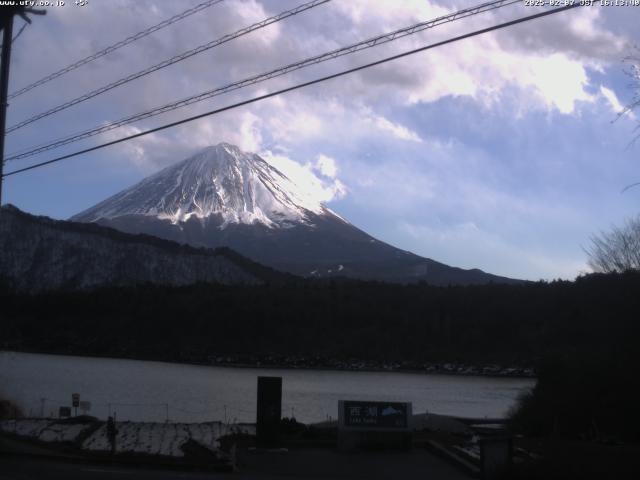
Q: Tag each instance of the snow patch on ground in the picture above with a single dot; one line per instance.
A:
(162, 438)
(136, 437)
(43, 429)
(61, 432)
(155, 438)
(25, 428)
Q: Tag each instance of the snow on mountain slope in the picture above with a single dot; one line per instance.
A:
(223, 197)
(220, 180)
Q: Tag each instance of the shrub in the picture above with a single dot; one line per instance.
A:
(9, 410)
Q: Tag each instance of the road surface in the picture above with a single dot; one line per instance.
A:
(316, 464)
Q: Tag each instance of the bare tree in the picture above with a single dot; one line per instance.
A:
(617, 250)
(633, 72)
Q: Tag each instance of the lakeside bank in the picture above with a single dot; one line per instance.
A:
(315, 363)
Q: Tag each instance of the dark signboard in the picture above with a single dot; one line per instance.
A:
(75, 399)
(269, 410)
(375, 415)
(64, 412)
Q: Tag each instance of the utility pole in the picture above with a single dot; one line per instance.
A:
(6, 25)
(7, 34)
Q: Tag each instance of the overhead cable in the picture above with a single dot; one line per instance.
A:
(296, 87)
(170, 61)
(116, 46)
(280, 71)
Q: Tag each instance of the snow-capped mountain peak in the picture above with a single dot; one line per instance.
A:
(220, 180)
(224, 197)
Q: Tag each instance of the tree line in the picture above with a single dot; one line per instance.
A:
(334, 319)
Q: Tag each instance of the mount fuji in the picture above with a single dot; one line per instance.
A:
(223, 196)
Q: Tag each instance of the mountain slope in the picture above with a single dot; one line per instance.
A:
(37, 253)
(225, 197)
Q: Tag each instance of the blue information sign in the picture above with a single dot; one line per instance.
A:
(375, 415)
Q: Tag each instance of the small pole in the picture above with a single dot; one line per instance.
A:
(166, 405)
(112, 432)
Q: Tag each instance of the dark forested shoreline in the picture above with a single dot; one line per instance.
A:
(310, 324)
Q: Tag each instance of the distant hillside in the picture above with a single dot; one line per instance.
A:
(38, 254)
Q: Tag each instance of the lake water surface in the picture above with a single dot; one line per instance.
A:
(157, 391)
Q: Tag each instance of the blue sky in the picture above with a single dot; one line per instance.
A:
(500, 152)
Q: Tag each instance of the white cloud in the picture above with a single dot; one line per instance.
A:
(397, 130)
(551, 73)
(252, 11)
(388, 13)
(295, 123)
(483, 70)
(559, 81)
(308, 184)
(326, 165)
(146, 152)
(250, 135)
(612, 99)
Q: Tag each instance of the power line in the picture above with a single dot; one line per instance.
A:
(116, 46)
(362, 45)
(171, 61)
(19, 32)
(299, 86)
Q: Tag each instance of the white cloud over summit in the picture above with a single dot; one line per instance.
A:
(323, 188)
